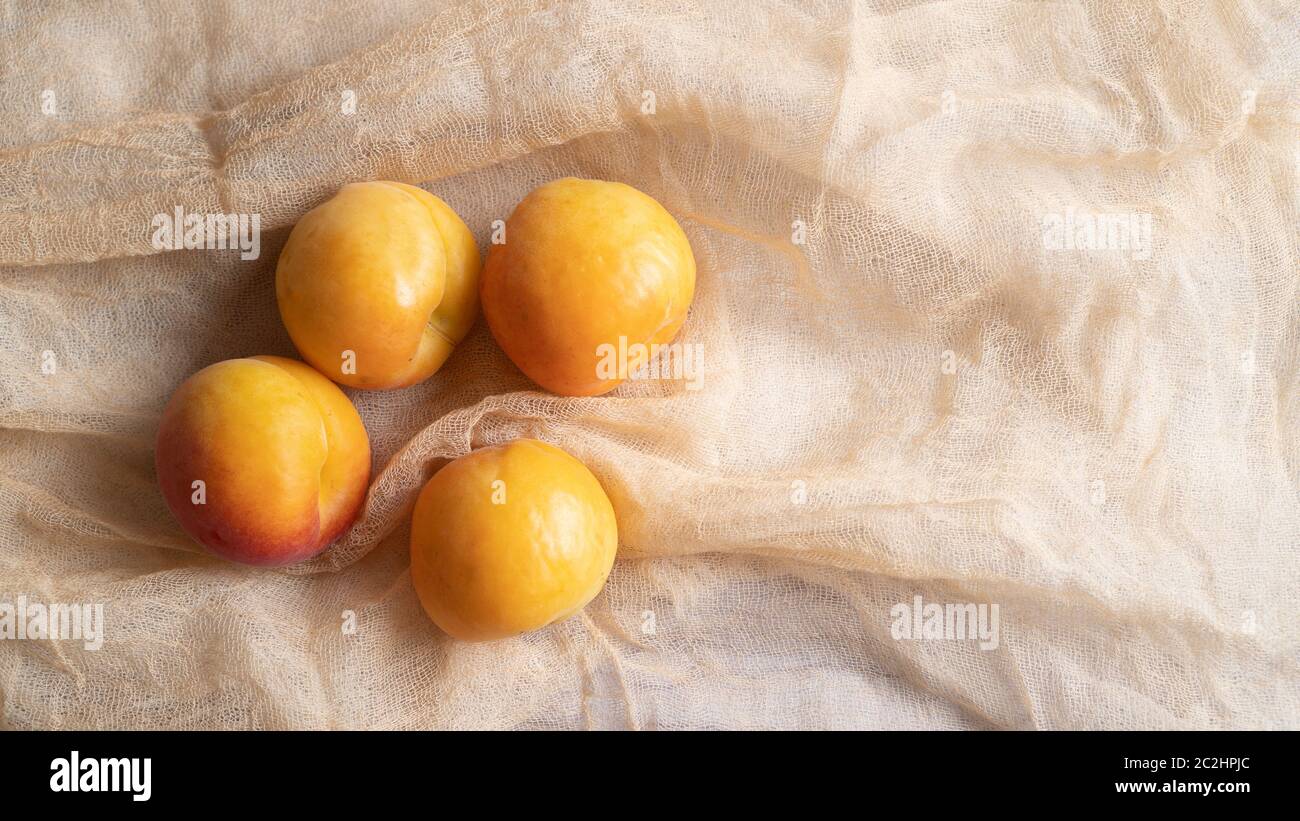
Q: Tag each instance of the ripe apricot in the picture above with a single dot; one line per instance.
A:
(262, 460)
(509, 539)
(586, 266)
(378, 285)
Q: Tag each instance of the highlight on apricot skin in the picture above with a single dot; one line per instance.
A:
(262, 460)
(509, 539)
(586, 267)
(378, 285)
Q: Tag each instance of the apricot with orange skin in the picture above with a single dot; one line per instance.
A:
(262, 460)
(585, 263)
(378, 285)
(509, 539)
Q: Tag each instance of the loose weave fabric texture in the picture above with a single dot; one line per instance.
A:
(997, 304)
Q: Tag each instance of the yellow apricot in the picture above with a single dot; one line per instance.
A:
(262, 460)
(378, 284)
(509, 539)
(587, 266)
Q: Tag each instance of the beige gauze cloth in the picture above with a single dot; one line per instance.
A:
(923, 373)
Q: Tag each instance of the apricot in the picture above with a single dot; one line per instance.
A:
(378, 285)
(586, 267)
(509, 539)
(262, 460)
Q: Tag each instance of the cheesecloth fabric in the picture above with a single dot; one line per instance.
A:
(997, 304)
